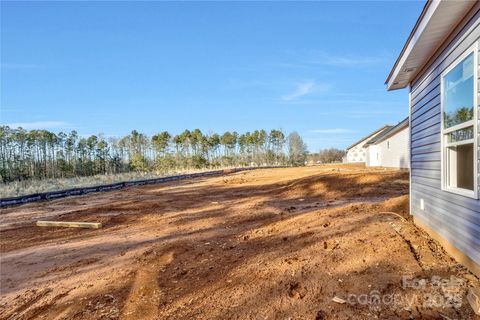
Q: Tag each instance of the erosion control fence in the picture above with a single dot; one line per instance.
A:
(5, 202)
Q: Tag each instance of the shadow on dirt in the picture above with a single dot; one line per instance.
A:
(273, 250)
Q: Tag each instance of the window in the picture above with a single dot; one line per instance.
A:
(388, 145)
(459, 129)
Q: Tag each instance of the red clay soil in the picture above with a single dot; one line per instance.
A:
(264, 244)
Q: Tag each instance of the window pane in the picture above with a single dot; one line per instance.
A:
(460, 166)
(458, 93)
(460, 135)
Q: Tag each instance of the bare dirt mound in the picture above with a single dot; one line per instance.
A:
(265, 244)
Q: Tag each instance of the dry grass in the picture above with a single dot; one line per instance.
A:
(19, 188)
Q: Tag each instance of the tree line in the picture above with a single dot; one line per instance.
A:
(41, 154)
(329, 155)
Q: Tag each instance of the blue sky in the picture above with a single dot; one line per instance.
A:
(109, 67)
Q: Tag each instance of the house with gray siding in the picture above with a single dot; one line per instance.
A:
(439, 64)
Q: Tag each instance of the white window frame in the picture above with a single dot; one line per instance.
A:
(444, 144)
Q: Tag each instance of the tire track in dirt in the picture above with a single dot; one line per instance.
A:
(144, 297)
(276, 243)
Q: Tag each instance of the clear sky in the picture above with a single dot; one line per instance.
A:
(109, 67)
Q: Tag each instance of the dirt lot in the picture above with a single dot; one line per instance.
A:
(264, 244)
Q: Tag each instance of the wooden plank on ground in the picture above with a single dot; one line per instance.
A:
(474, 299)
(69, 224)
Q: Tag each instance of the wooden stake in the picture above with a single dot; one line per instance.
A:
(88, 225)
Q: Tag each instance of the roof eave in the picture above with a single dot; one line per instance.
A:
(435, 24)
(393, 131)
(407, 46)
(366, 137)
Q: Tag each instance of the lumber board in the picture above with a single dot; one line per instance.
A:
(473, 298)
(69, 224)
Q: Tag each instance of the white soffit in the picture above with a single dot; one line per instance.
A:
(437, 21)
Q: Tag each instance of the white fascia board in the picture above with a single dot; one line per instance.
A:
(391, 81)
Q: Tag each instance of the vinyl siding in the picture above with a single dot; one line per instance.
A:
(455, 217)
(373, 156)
(398, 154)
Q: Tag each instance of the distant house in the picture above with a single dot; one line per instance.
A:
(356, 153)
(372, 152)
(390, 148)
(440, 65)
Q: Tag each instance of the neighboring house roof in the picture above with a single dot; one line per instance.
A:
(390, 132)
(366, 137)
(378, 136)
(431, 30)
